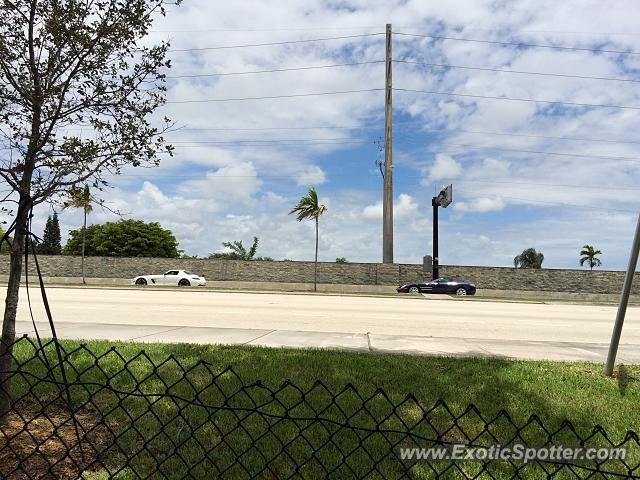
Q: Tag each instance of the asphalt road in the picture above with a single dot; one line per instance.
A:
(415, 325)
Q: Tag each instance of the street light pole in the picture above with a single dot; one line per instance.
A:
(435, 271)
(624, 300)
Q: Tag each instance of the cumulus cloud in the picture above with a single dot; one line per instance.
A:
(444, 167)
(480, 205)
(403, 207)
(239, 167)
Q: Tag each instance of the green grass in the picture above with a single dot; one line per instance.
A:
(554, 391)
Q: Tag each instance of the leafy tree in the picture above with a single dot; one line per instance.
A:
(238, 251)
(529, 258)
(308, 208)
(51, 238)
(341, 260)
(589, 255)
(78, 92)
(4, 246)
(81, 198)
(125, 238)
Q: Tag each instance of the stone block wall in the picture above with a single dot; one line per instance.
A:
(494, 278)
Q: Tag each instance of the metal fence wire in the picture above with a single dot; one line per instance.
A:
(132, 417)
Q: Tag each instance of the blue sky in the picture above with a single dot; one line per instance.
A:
(506, 197)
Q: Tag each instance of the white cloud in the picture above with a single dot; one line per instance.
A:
(444, 168)
(214, 190)
(480, 205)
(403, 207)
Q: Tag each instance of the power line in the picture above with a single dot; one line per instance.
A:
(264, 144)
(259, 129)
(278, 140)
(436, 131)
(562, 204)
(554, 185)
(537, 152)
(520, 72)
(275, 29)
(271, 97)
(547, 137)
(512, 99)
(269, 44)
(275, 70)
(519, 44)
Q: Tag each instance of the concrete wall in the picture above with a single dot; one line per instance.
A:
(493, 278)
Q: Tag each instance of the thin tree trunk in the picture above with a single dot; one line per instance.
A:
(315, 266)
(84, 235)
(11, 308)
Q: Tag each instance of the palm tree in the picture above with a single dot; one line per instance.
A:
(81, 199)
(238, 251)
(529, 258)
(589, 255)
(308, 208)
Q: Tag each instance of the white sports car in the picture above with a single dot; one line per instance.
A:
(182, 278)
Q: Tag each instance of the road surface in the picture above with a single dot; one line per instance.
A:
(414, 325)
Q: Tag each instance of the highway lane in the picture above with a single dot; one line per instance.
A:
(433, 317)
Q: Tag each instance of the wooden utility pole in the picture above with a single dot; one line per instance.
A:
(387, 199)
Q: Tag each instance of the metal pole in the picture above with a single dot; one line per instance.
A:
(435, 273)
(624, 300)
(387, 199)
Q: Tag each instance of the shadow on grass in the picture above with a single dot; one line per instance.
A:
(367, 391)
(624, 379)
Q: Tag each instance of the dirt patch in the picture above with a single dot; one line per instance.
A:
(46, 444)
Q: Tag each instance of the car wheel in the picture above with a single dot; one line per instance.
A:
(141, 281)
(461, 291)
(184, 283)
(414, 290)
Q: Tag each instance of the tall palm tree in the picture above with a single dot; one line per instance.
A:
(81, 198)
(529, 258)
(589, 255)
(308, 208)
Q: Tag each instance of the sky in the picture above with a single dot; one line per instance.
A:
(553, 176)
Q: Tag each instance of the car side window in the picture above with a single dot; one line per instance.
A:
(172, 272)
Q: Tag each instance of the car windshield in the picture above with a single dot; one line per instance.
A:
(190, 273)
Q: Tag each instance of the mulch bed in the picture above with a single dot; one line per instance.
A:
(37, 444)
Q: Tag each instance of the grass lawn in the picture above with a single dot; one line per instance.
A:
(181, 428)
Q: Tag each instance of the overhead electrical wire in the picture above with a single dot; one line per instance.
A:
(519, 72)
(519, 44)
(513, 99)
(435, 131)
(428, 92)
(270, 44)
(275, 70)
(272, 97)
(535, 152)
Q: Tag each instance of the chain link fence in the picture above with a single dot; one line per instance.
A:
(133, 418)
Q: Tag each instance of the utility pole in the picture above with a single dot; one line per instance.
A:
(387, 198)
(624, 300)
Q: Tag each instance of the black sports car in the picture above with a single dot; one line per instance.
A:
(439, 285)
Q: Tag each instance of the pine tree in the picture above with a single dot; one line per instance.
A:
(51, 240)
